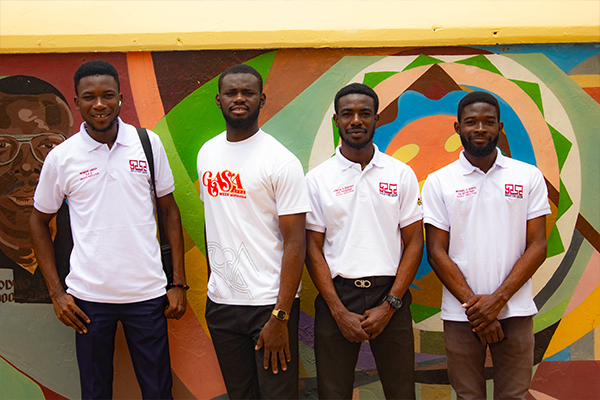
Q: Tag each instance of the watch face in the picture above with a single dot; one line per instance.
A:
(280, 314)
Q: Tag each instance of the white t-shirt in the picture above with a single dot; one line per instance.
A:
(116, 255)
(245, 187)
(486, 215)
(361, 213)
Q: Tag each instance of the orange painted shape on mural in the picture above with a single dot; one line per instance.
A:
(540, 396)
(146, 96)
(429, 134)
(589, 281)
(395, 85)
(579, 322)
(193, 357)
(524, 107)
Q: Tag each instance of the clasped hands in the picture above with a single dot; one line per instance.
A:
(482, 311)
(359, 328)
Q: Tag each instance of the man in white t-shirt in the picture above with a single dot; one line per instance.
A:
(365, 206)
(116, 272)
(485, 220)
(255, 203)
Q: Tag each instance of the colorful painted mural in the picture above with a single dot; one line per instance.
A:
(550, 104)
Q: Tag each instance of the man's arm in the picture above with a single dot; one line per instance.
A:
(482, 309)
(377, 318)
(172, 223)
(274, 335)
(438, 243)
(64, 305)
(348, 322)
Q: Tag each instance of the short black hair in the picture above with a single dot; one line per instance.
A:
(23, 85)
(477, 97)
(95, 68)
(241, 69)
(356, 88)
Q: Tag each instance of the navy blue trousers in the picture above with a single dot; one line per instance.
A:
(145, 328)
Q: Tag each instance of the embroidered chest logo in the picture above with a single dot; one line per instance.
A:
(343, 190)
(388, 189)
(224, 183)
(460, 193)
(88, 173)
(138, 166)
(514, 191)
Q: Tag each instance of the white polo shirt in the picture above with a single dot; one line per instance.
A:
(245, 187)
(361, 213)
(116, 255)
(486, 215)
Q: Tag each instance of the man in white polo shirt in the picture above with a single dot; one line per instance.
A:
(486, 236)
(255, 204)
(365, 206)
(115, 267)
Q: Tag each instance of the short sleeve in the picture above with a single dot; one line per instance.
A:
(410, 205)
(538, 196)
(315, 219)
(290, 189)
(164, 177)
(49, 194)
(434, 208)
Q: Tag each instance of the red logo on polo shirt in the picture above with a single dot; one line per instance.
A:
(466, 192)
(514, 191)
(224, 183)
(388, 189)
(138, 166)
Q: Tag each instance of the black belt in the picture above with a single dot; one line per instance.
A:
(364, 283)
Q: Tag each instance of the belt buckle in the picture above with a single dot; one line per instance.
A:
(362, 283)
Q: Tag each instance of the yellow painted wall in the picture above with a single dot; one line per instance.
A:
(83, 25)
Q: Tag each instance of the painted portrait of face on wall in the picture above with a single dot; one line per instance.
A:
(34, 118)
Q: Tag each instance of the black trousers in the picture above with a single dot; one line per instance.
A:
(235, 331)
(145, 328)
(393, 349)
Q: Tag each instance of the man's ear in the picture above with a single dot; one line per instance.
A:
(76, 101)
(218, 100)
(457, 127)
(263, 99)
(335, 120)
(376, 120)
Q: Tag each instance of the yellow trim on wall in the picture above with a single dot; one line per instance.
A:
(83, 26)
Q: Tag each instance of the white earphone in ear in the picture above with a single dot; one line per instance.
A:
(120, 103)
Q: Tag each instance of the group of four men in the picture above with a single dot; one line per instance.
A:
(356, 219)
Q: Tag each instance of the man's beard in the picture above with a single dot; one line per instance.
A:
(108, 128)
(477, 151)
(242, 123)
(360, 145)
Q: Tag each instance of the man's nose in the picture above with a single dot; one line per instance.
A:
(356, 120)
(25, 163)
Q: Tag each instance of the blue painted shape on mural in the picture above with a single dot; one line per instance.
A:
(424, 267)
(565, 56)
(563, 355)
(413, 106)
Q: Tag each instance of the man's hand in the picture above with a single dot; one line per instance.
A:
(176, 303)
(274, 338)
(491, 334)
(350, 325)
(68, 313)
(482, 309)
(377, 318)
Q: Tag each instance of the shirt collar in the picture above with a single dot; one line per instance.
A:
(468, 168)
(124, 136)
(376, 161)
